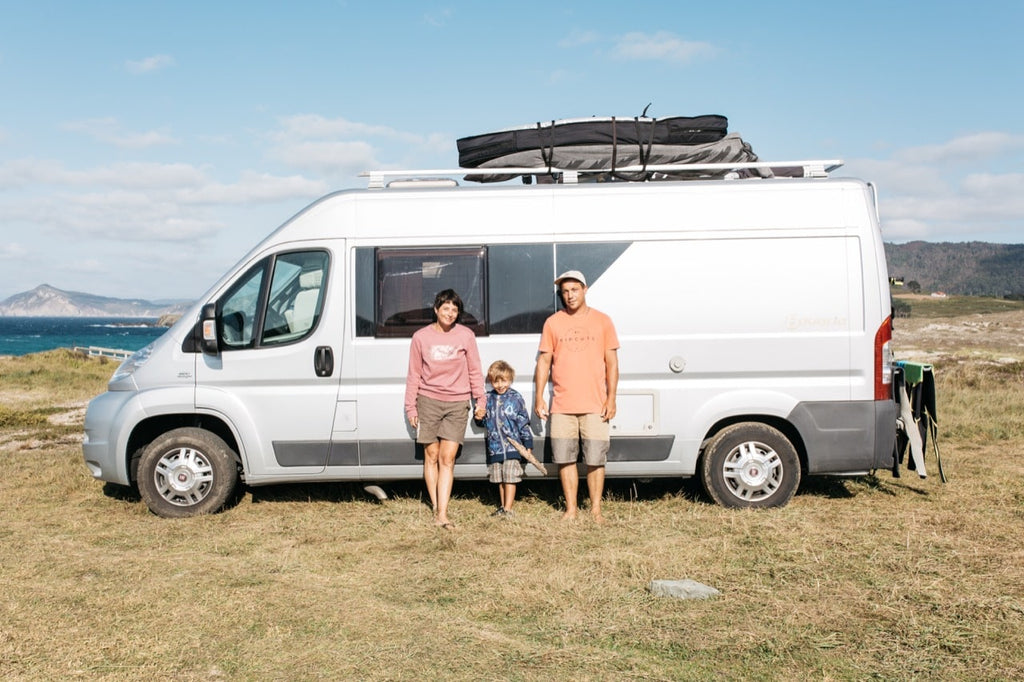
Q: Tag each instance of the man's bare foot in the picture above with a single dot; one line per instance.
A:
(569, 515)
(598, 519)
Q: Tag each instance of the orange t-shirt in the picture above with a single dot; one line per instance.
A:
(578, 344)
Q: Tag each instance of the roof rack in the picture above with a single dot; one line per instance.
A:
(570, 176)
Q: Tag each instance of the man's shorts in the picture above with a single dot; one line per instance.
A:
(509, 471)
(442, 420)
(567, 430)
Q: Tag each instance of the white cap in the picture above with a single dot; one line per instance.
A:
(571, 274)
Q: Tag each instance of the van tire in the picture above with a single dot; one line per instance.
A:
(203, 468)
(750, 465)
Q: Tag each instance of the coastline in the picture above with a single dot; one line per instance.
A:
(24, 335)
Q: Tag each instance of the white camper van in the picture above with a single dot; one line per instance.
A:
(753, 316)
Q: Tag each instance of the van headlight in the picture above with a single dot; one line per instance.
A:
(134, 361)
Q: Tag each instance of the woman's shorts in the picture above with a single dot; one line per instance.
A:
(567, 430)
(441, 420)
(509, 471)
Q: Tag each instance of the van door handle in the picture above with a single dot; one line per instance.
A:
(323, 361)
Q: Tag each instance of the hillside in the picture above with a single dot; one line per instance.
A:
(965, 268)
(47, 301)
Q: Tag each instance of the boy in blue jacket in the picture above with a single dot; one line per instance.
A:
(507, 420)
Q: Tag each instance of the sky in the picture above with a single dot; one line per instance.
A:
(145, 147)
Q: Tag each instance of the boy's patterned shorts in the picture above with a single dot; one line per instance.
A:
(509, 471)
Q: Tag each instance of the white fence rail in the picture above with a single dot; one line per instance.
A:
(99, 351)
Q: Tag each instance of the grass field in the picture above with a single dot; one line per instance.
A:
(869, 578)
(926, 306)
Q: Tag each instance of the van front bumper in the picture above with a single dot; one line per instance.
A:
(100, 445)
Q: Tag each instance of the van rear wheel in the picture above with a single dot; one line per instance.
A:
(750, 465)
(187, 472)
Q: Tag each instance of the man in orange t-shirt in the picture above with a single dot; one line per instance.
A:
(579, 353)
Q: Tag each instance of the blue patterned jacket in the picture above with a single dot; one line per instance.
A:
(506, 418)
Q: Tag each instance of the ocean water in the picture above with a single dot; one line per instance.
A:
(24, 335)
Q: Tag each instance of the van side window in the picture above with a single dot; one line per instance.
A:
(395, 288)
(591, 258)
(408, 279)
(238, 309)
(519, 286)
(284, 306)
(366, 290)
(296, 296)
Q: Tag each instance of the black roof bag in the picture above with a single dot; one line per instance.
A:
(477, 150)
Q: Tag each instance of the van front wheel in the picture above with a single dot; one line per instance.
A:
(750, 465)
(186, 472)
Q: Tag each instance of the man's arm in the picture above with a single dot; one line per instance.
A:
(540, 384)
(611, 378)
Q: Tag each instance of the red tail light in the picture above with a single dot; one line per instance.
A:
(883, 361)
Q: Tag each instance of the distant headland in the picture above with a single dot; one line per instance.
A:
(48, 301)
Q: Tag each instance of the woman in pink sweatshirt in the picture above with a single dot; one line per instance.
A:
(444, 373)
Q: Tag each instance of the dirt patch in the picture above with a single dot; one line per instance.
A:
(995, 337)
(75, 416)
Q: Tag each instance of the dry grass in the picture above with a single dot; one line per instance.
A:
(869, 578)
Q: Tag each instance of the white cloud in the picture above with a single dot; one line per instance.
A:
(904, 230)
(20, 173)
(115, 215)
(578, 38)
(253, 188)
(560, 76)
(316, 127)
(108, 130)
(329, 158)
(178, 202)
(43, 172)
(994, 185)
(87, 265)
(339, 148)
(980, 146)
(929, 192)
(898, 177)
(138, 201)
(438, 18)
(660, 46)
(148, 64)
(11, 251)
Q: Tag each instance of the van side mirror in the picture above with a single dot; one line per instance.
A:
(208, 323)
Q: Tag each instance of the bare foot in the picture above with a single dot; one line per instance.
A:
(598, 519)
(569, 515)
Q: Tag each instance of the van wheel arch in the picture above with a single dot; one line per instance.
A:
(786, 428)
(145, 432)
(750, 464)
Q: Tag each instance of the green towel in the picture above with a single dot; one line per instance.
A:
(913, 372)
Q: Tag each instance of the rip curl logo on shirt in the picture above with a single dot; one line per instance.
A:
(577, 339)
(444, 352)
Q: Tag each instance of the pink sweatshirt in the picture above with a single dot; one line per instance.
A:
(443, 366)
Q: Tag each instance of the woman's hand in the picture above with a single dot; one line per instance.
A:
(481, 412)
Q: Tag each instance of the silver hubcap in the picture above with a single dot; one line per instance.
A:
(183, 477)
(753, 471)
